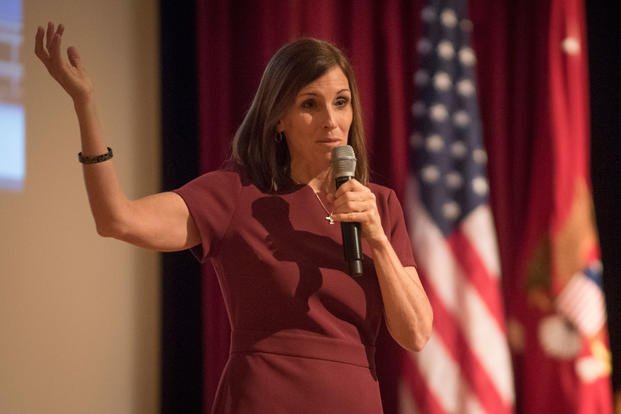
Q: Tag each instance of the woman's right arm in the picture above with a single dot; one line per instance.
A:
(160, 221)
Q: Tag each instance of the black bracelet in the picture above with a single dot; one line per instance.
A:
(96, 158)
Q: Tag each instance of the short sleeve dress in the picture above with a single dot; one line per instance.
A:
(303, 330)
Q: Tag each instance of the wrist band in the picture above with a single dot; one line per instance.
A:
(96, 158)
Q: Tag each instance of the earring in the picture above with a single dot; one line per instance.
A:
(279, 137)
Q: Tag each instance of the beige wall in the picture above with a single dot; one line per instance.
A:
(79, 314)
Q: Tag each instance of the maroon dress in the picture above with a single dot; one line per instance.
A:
(303, 330)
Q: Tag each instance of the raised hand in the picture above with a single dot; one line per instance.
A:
(69, 73)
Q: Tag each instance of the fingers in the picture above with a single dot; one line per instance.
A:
(357, 217)
(49, 35)
(357, 205)
(54, 48)
(354, 202)
(39, 50)
(74, 57)
(352, 196)
(52, 39)
(68, 72)
(351, 185)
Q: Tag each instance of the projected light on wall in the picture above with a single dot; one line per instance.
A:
(12, 146)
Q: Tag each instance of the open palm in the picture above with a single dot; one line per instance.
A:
(70, 73)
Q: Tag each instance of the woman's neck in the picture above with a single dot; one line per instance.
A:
(317, 179)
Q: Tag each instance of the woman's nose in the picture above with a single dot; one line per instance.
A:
(330, 121)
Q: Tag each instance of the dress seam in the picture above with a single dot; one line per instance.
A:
(302, 357)
(230, 224)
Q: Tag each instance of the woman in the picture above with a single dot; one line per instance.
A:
(303, 330)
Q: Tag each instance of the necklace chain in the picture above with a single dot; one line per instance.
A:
(328, 218)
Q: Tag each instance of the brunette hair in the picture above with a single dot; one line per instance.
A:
(294, 66)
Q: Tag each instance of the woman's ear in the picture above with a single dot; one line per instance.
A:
(279, 126)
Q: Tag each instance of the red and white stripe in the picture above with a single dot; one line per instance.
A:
(465, 368)
(582, 302)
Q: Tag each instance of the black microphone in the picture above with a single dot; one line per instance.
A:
(344, 169)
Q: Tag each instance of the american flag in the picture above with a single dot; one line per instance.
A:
(465, 368)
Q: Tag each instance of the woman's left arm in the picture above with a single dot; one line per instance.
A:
(406, 306)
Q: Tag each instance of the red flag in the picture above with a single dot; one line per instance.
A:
(559, 325)
(465, 368)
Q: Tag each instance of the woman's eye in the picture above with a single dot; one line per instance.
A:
(342, 101)
(308, 104)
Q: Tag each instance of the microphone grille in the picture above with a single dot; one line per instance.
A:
(344, 161)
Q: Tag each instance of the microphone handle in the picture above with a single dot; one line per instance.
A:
(352, 242)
